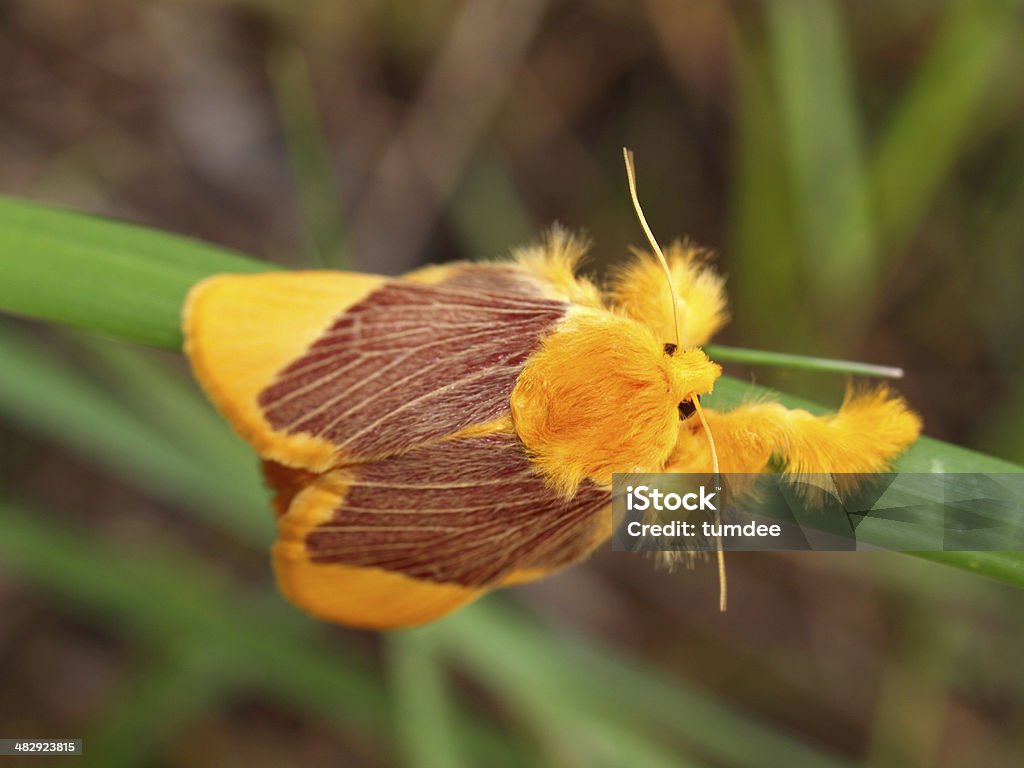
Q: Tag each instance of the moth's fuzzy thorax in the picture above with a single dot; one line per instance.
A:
(602, 396)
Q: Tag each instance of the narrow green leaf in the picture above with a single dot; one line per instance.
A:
(171, 598)
(517, 657)
(163, 396)
(766, 238)
(927, 133)
(821, 137)
(727, 354)
(423, 717)
(121, 279)
(310, 157)
(489, 213)
(49, 397)
(1003, 566)
(151, 707)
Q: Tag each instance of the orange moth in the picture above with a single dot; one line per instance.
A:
(438, 435)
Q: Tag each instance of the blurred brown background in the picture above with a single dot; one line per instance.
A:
(859, 169)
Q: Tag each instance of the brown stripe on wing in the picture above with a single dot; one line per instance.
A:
(409, 364)
(469, 511)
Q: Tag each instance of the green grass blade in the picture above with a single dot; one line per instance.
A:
(766, 236)
(309, 156)
(172, 599)
(822, 143)
(489, 213)
(1002, 566)
(152, 707)
(727, 354)
(123, 280)
(51, 398)
(515, 656)
(424, 728)
(164, 397)
(926, 134)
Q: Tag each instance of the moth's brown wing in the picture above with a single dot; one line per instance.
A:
(405, 540)
(319, 369)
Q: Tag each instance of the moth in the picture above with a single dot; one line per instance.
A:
(435, 436)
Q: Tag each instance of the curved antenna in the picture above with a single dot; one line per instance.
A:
(627, 155)
(723, 585)
(631, 177)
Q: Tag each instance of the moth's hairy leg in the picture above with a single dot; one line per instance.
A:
(640, 290)
(865, 435)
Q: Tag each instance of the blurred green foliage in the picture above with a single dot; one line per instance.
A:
(860, 168)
